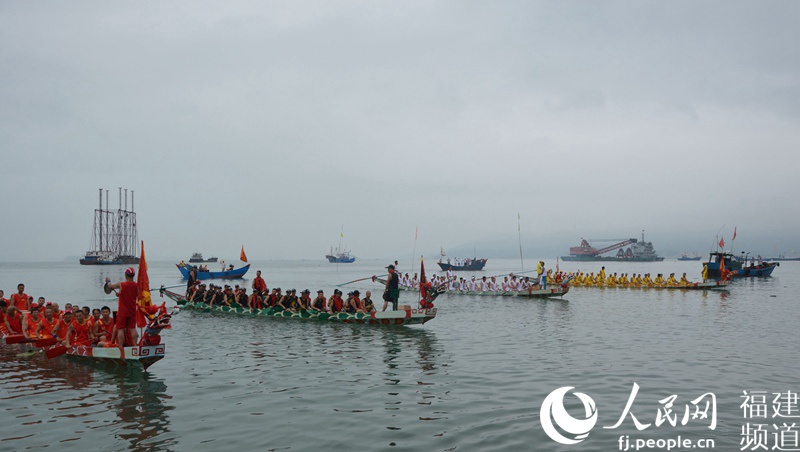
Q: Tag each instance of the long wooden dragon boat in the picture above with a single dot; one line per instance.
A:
(400, 317)
(710, 285)
(148, 352)
(557, 290)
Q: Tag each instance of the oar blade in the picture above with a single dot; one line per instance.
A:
(55, 351)
(16, 339)
(46, 342)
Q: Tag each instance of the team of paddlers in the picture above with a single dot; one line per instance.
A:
(21, 315)
(262, 298)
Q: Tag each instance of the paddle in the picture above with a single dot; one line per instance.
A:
(153, 289)
(54, 352)
(357, 280)
(20, 339)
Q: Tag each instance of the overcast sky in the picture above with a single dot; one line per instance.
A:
(272, 124)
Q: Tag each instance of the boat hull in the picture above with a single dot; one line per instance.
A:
(119, 260)
(229, 274)
(475, 265)
(555, 290)
(142, 357)
(340, 260)
(710, 285)
(400, 317)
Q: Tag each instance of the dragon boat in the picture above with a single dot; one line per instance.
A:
(558, 290)
(710, 285)
(400, 317)
(149, 351)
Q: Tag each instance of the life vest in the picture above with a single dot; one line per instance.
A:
(337, 304)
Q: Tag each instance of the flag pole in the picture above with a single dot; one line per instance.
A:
(416, 234)
(519, 235)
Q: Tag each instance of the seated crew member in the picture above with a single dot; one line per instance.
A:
(255, 302)
(104, 328)
(3, 308)
(335, 303)
(242, 298)
(350, 305)
(13, 321)
(78, 332)
(304, 301)
(61, 329)
(367, 304)
(357, 299)
(671, 281)
(684, 280)
(30, 323)
(659, 281)
(285, 302)
(20, 299)
(319, 303)
(95, 317)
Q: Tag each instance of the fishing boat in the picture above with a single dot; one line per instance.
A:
(464, 265)
(114, 236)
(737, 268)
(339, 255)
(198, 258)
(686, 257)
(224, 274)
(557, 290)
(400, 317)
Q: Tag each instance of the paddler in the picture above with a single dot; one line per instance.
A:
(13, 321)
(47, 323)
(319, 303)
(126, 312)
(20, 299)
(78, 332)
(684, 280)
(62, 327)
(304, 301)
(335, 303)
(3, 308)
(367, 303)
(671, 281)
(30, 324)
(104, 327)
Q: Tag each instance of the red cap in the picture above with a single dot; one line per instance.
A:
(130, 271)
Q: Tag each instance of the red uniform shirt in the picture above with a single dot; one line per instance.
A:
(80, 333)
(103, 327)
(61, 329)
(47, 327)
(20, 301)
(128, 293)
(15, 323)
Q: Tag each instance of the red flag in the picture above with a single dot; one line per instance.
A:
(722, 242)
(143, 283)
(423, 283)
(242, 256)
(734, 234)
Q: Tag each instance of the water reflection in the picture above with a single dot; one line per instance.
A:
(142, 410)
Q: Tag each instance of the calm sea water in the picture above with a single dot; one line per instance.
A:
(472, 379)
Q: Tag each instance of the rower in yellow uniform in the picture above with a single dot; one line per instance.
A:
(671, 281)
(685, 281)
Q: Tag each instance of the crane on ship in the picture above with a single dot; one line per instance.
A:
(587, 250)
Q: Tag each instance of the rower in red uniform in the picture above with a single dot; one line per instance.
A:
(62, 327)
(78, 332)
(47, 323)
(20, 299)
(104, 327)
(126, 312)
(30, 324)
(335, 303)
(3, 308)
(13, 321)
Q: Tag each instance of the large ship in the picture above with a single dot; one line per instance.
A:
(114, 237)
(198, 258)
(639, 251)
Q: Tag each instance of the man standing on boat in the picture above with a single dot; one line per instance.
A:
(392, 292)
(126, 311)
(192, 280)
(259, 285)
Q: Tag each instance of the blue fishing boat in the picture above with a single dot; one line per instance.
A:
(736, 267)
(234, 273)
(340, 257)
